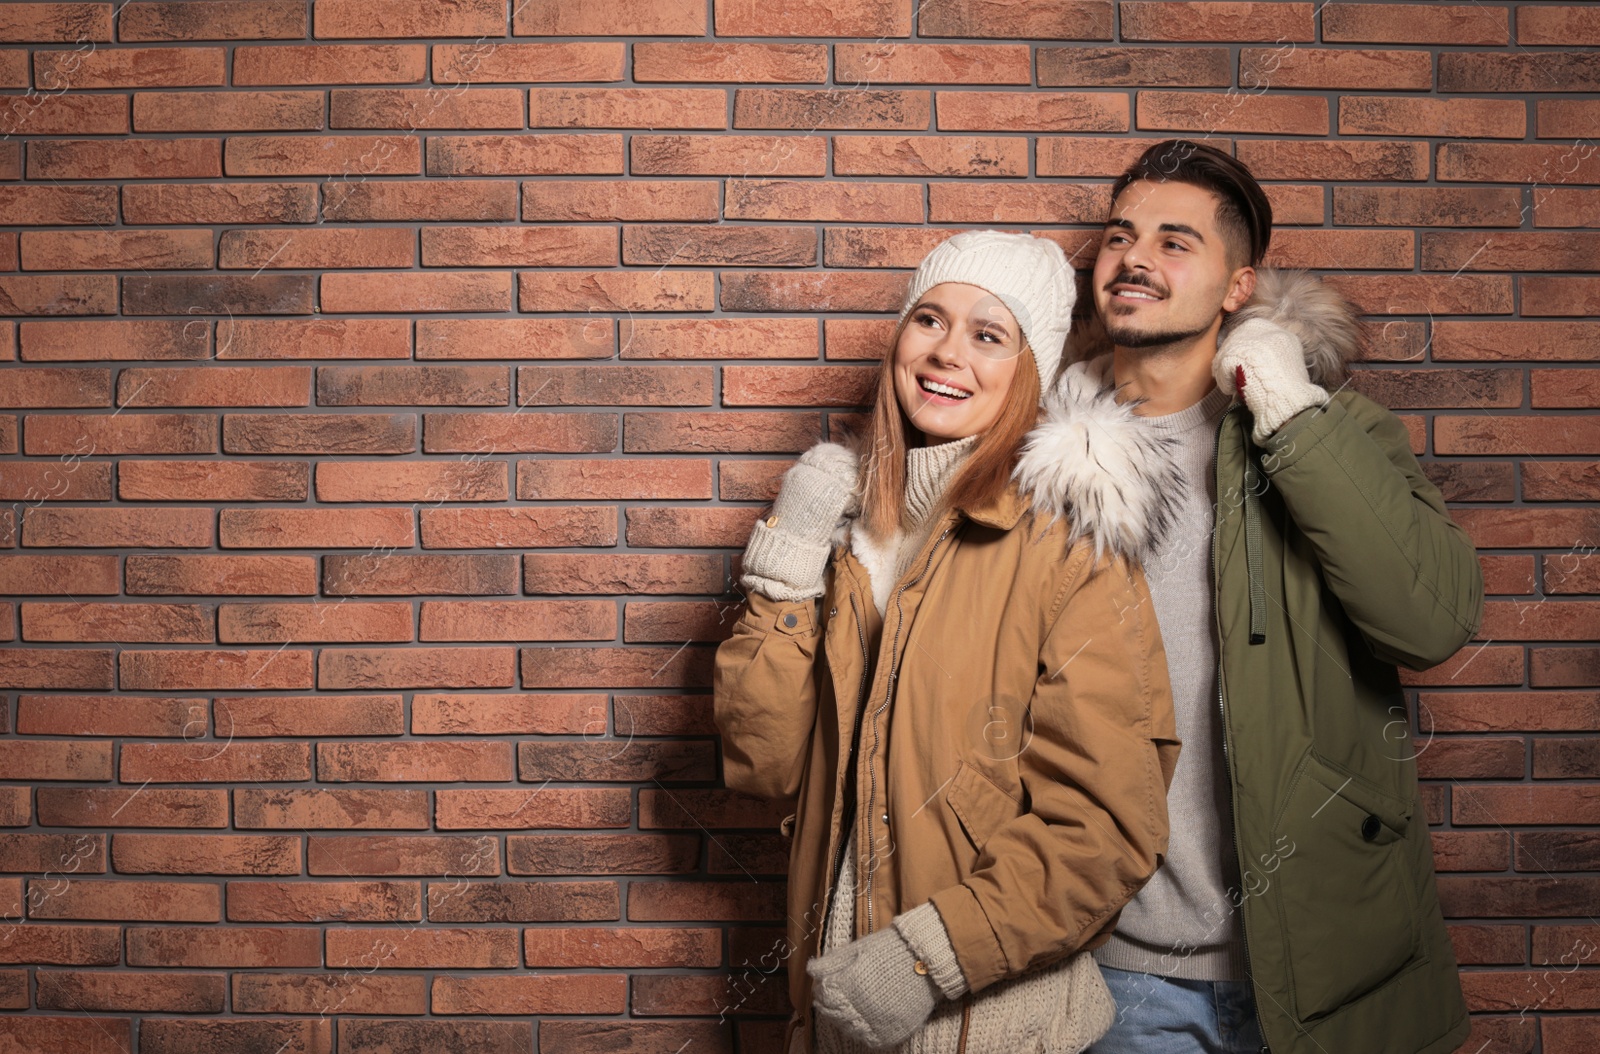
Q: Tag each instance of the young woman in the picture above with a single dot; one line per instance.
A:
(974, 724)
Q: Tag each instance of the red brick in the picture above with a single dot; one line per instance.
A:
(1571, 572)
(699, 809)
(1564, 667)
(319, 433)
(1478, 118)
(719, 338)
(1185, 21)
(798, 385)
(1484, 944)
(727, 155)
(523, 902)
(1511, 575)
(680, 901)
(506, 715)
(615, 385)
(117, 527)
(275, 294)
(703, 995)
(624, 760)
(56, 668)
(1043, 19)
(111, 250)
(718, 62)
(1543, 481)
(1408, 294)
(414, 291)
(215, 203)
(418, 482)
(877, 63)
(321, 64)
(513, 338)
(60, 294)
(622, 573)
(413, 762)
(1537, 163)
(346, 992)
(664, 715)
(54, 855)
(262, 249)
(1231, 112)
(123, 900)
(1564, 758)
(413, 108)
(324, 902)
(520, 528)
(312, 716)
(232, 946)
(323, 155)
(676, 245)
(812, 109)
(57, 206)
(317, 528)
(1260, 68)
(1565, 118)
(257, 669)
(1032, 111)
(314, 622)
(1471, 850)
(609, 18)
(650, 108)
(171, 992)
(99, 715)
(1291, 159)
(275, 19)
(524, 245)
(79, 1034)
(813, 290)
(212, 480)
(636, 946)
(1565, 207)
(457, 64)
(1524, 71)
(615, 478)
(1490, 341)
(519, 995)
(812, 18)
(132, 807)
(1512, 711)
(217, 575)
(634, 199)
(225, 762)
(1510, 251)
(129, 68)
(944, 155)
(227, 111)
(203, 854)
(168, 623)
(449, 855)
(1525, 805)
(405, 200)
(608, 291)
(356, 668)
(133, 339)
(285, 808)
(710, 527)
(528, 807)
(610, 854)
(679, 620)
(1429, 207)
(1409, 389)
(881, 246)
(519, 433)
(637, 667)
(726, 432)
(71, 481)
(322, 338)
(184, 1036)
(517, 620)
(525, 155)
(105, 434)
(55, 159)
(1411, 24)
(404, 574)
(1002, 203)
(43, 575)
(1570, 389)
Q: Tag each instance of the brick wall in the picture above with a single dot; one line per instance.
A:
(389, 386)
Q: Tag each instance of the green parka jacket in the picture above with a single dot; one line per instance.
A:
(1333, 560)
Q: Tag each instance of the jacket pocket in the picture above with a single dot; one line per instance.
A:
(979, 804)
(1346, 893)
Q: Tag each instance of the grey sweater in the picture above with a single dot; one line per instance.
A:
(1182, 923)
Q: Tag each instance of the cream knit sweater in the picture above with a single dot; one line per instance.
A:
(1058, 1009)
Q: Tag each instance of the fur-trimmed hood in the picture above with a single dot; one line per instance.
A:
(1090, 459)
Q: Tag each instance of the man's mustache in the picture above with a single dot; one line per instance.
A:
(1132, 279)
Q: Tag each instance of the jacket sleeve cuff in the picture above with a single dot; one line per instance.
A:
(923, 930)
(977, 949)
(783, 567)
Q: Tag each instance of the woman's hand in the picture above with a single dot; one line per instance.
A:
(788, 551)
(883, 987)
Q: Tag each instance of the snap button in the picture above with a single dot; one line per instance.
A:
(920, 966)
(791, 620)
(885, 817)
(1369, 827)
(772, 521)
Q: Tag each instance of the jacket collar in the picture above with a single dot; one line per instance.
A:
(1091, 459)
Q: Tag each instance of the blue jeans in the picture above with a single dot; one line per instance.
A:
(1169, 1015)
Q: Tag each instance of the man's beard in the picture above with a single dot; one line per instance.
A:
(1137, 338)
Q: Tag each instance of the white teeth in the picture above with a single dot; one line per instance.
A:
(1136, 296)
(943, 389)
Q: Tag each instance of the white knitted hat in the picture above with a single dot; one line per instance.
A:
(1030, 275)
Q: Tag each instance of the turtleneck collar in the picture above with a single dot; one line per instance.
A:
(929, 469)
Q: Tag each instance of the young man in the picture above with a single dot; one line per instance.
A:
(1295, 553)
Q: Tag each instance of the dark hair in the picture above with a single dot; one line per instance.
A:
(1243, 212)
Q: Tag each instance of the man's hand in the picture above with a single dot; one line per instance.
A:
(1266, 366)
(872, 989)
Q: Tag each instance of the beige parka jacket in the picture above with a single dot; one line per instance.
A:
(1017, 737)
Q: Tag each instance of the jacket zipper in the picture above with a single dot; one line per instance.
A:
(894, 672)
(850, 771)
(1222, 708)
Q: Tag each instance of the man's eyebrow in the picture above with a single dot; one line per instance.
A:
(1176, 228)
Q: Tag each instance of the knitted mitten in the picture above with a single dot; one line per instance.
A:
(1264, 364)
(788, 551)
(876, 989)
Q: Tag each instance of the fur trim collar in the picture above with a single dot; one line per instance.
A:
(1091, 460)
